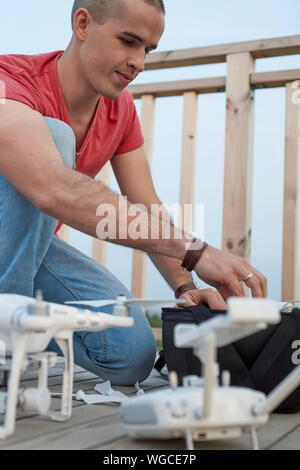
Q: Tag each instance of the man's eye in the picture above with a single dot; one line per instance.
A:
(126, 41)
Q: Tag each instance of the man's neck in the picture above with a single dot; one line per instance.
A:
(80, 100)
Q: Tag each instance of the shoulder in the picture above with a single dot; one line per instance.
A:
(24, 76)
(28, 66)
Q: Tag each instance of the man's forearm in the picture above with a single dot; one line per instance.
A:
(77, 199)
(171, 270)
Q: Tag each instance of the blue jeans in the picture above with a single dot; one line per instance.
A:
(31, 258)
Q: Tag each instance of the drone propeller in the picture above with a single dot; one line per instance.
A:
(93, 303)
(122, 300)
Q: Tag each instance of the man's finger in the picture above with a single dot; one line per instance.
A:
(254, 284)
(236, 288)
(213, 299)
(225, 292)
(263, 282)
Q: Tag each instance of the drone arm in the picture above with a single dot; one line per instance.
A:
(35, 323)
(80, 320)
(283, 390)
(186, 336)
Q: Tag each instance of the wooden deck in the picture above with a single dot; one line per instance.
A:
(97, 427)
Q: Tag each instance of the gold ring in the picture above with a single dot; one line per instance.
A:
(248, 277)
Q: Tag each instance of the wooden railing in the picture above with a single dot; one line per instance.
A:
(239, 85)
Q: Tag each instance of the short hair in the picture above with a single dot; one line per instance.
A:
(101, 10)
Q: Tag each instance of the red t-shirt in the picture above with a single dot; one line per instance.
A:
(33, 80)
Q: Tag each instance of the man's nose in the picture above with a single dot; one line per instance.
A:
(137, 62)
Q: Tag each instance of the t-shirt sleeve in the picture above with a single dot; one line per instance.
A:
(133, 136)
(13, 88)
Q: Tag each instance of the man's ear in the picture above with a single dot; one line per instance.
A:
(81, 23)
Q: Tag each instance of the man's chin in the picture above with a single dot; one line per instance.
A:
(112, 94)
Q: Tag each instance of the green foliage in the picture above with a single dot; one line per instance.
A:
(155, 322)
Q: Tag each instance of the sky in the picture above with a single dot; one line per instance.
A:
(34, 26)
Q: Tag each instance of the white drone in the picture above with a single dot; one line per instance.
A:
(121, 304)
(27, 326)
(202, 409)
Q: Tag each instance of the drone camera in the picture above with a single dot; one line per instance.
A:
(39, 307)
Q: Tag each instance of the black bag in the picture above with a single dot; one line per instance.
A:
(260, 361)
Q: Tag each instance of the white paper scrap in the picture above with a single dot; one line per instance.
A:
(106, 390)
(93, 399)
(107, 394)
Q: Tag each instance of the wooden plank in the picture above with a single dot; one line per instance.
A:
(99, 252)
(274, 79)
(272, 47)
(57, 380)
(188, 159)
(178, 87)
(83, 435)
(290, 441)
(56, 371)
(238, 156)
(291, 196)
(214, 84)
(139, 260)
(32, 433)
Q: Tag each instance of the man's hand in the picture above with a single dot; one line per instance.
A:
(205, 296)
(225, 272)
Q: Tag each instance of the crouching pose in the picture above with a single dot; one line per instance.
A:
(67, 113)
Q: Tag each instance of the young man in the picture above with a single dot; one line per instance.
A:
(75, 103)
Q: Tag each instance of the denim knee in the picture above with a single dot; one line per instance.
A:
(122, 355)
(64, 139)
(140, 361)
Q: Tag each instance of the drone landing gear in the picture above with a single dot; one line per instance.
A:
(189, 440)
(66, 346)
(37, 400)
(19, 342)
(254, 438)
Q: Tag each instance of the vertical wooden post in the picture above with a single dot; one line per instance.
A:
(99, 246)
(139, 260)
(64, 233)
(188, 160)
(291, 191)
(238, 173)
